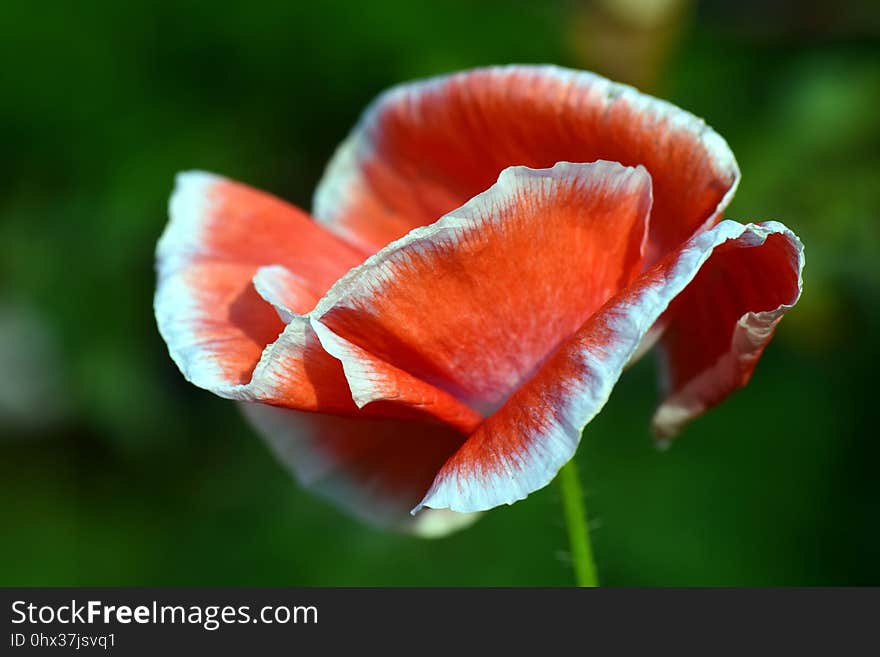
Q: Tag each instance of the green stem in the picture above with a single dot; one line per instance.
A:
(576, 522)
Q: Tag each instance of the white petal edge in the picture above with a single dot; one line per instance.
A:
(342, 177)
(367, 385)
(289, 433)
(752, 330)
(187, 211)
(556, 445)
(174, 300)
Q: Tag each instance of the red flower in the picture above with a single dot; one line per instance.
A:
(451, 330)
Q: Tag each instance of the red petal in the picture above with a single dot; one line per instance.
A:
(718, 327)
(521, 448)
(235, 266)
(375, 469)
(219, 234)
(423, 149)
(213, 219)
(474, 303)
(288, 293)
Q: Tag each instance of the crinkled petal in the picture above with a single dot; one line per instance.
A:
(371, 380)
(218, 236)
(374, 469)
(521, 447)
(718, 327)
(288, 294)
(213, 219)
(474, 303)
(237, 270)
(423, 149)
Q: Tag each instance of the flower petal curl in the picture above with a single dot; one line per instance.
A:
(717, 329)
(288, 293)
(475, 302)
(374, 469)
(424, 148)
(521, 447)
(237, 268)
(219, 234)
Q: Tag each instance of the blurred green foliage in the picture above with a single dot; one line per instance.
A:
(115, 471)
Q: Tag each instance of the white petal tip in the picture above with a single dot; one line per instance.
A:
(662, 444)
(437, 523)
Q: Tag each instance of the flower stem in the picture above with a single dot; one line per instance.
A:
(576, 522)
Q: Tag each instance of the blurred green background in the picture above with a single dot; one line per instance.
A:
(115, 471)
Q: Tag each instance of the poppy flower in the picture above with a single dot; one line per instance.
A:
(487, 251)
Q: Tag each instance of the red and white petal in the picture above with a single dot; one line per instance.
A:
(232, 316)
(371, 380)
(521, 447)
(213, 219)
(220, 233)
(423, 149)
(288, 294)
(474, 303)
(716, 330)
(217, 328)
(215, 324)
(374, 469)
(294, 371)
